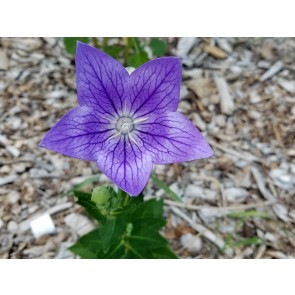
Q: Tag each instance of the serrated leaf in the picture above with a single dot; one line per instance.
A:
(71, 42)
(88, 245)
(133, 233)
(159, 47)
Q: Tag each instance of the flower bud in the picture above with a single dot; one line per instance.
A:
(100, 195)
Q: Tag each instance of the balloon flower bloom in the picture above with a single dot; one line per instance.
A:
(127, 120)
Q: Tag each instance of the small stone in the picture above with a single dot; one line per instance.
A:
(1, 223)
(228, 226)
(214, 99)
(281, 212)
(13, 151)
(12, 226)
(224, 44)
(198, 121)
(282, 178)
(184, 46)
(8, 179)
(236, 194)
(263, 64)
(254, 114)
(255, 97)
(14, 123)
(87, 171)
(220, 120)
(184, 106)
(183, 91)
(191, 243)
(13, 197)
(33, 209)
(270, 237)
(289, 86)
(193, 191)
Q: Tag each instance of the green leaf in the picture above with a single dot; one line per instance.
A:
(113, 51)
(71, 42)
(138, 233)
(149, 209)
(84, 199)
(106, 233)
(159, 47)
(137, 59)
(129, 230)
(173, 196)
(88, 245)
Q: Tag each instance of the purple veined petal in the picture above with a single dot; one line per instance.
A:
(155, 87)
(81, 133)
(126, 165)
(101, 80)
(172, 138)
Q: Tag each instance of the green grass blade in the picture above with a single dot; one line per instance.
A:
(171, 194)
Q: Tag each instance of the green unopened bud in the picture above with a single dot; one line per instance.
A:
(100, 195)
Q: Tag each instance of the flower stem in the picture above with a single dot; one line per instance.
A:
(95, 42)
(126, 51)
(124, 197)
(105, 42)
(135, 45)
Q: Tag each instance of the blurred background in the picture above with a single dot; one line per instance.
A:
(239, 92)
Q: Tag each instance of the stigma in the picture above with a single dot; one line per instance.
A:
(126, 128)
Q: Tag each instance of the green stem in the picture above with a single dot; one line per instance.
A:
(126, 50)
(105, 42)
(95, 42)
(135, 45)
(124, 197)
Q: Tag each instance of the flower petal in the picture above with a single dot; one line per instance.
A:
(126, 165)
(155, 87)
(171, 138)
(100, 80)
(81, 133)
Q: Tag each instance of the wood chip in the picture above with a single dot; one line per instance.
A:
(226, 100)
(272, 71)
(214, 51)
(205, 232)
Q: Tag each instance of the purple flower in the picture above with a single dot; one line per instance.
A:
(126, 122)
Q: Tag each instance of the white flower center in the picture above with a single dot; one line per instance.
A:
(126, 126)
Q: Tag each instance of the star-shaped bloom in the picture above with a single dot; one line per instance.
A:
(126, 122)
